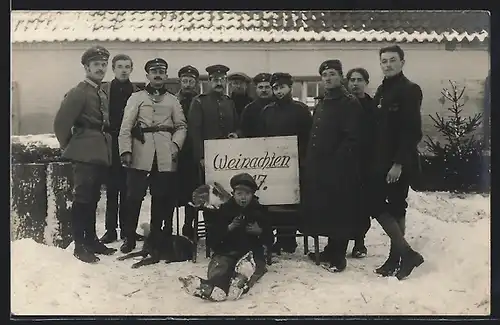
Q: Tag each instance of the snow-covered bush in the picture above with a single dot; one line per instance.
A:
(42, 148)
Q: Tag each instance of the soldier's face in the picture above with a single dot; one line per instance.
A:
(157, 77)
(122, 69)
(188, 83)
(96, 70)
(356, 83)
(331, 78)
(281, 90)
(264, 90)
(218, 83)
(238, 87)
(391, 63)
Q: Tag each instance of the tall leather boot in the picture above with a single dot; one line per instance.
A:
(130, 225)
(79, 216)
(92, 241)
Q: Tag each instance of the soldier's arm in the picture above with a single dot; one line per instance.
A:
(411, 125)
(195, 123)
(236, 123)
(128, 122)
(71, 108)
(180, 125)
(245, 121)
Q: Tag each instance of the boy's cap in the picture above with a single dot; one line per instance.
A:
(243, 180)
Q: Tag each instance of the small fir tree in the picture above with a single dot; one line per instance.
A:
(459, 158)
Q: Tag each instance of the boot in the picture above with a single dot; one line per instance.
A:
(109, 237)
(338, 262)
(359, 250)
(395, 230)
(162, 211)
(409, 261)
(130, 225)
(391, 265)
(78, 216)
(92, 241)
(128, 245)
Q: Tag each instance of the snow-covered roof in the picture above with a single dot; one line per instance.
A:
(249, 26)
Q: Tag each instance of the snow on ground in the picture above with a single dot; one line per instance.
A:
(452, 232)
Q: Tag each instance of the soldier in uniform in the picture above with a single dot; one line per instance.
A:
(152, 134)
(239, 86)
(187, 169)
(398, 130)
(118, 92)
(212, 115)
(82, 122)
(332, 183)
(250, 115)
(285, 117)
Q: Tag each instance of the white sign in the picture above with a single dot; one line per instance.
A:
(273, 162)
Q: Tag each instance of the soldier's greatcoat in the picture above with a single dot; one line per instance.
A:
(149, 111)
(332, 183)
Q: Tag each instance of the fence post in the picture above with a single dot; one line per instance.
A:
(28, 201)
(59, 198)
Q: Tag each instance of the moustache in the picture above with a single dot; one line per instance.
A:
(100, 72)
(157, 78)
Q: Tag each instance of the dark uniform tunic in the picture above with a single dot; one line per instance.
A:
(332, 182)
(398, 129)
(187, 168)
(250, 117)
(240, 102)
(211, 116)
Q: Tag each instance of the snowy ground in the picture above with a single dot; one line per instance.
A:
(452, 232)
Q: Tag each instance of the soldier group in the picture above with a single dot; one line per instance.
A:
(357, 154)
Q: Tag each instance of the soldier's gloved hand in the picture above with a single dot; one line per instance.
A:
(236, 223)
(175, 151)
(232, 135)
(253, 228)
(126, 159)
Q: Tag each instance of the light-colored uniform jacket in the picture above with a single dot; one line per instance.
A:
(141, 108)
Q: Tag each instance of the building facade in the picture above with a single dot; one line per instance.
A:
(439, 46)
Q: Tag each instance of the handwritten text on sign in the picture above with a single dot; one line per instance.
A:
(273, 162)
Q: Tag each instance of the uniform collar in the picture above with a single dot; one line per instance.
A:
(393, 79)
(92, 83)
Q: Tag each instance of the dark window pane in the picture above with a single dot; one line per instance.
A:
(311, 89)
(297, 90)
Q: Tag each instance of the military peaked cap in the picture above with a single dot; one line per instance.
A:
(189, 70)
(330, 64)
(239, 76)
(262, 77)
(157, 63)
(243, 180)
(95, 53)
(219, 69)
(281, 78)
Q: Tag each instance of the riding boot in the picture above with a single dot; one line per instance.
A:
(79, 214)
(92, 241)
(130, 225)
(337, 252)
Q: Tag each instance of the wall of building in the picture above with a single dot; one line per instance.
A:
(44, 72)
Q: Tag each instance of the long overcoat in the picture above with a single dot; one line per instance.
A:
(332, 182)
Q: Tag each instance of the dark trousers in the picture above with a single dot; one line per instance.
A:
(87, 181)
(116, 195)
(162, 187)
(221, 270)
